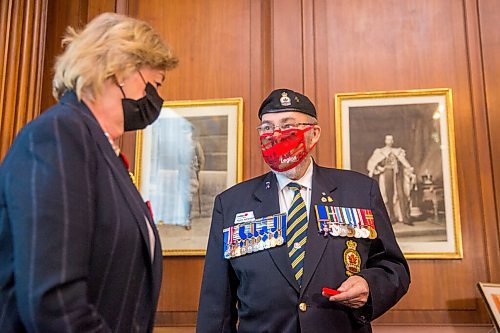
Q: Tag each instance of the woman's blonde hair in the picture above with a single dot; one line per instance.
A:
(111, 44)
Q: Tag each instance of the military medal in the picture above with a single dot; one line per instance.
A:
(335, 229)
(357, 223)
(345, 222)
(350, 231)
(365, 233)
(320, 218)
(343, 231)
(273, 241)
(363, 227)
(350, 221)
(248, 237)
(267, 242)
(280, 239)
(335, 225)
(324, 228)
(371, 224)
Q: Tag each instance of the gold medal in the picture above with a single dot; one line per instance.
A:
(350, 231)
(343, 231)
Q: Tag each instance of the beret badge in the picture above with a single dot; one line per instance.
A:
(285, 100)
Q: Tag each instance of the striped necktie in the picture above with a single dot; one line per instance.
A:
(296, 232)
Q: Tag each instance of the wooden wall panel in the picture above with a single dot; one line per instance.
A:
(62, 14)
(22, 29)
(211, 39)
(287, 44)
(489, 12)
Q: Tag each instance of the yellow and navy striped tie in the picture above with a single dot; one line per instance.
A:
(296, 232)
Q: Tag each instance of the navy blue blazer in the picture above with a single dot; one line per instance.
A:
(258, 293)
(74, 246)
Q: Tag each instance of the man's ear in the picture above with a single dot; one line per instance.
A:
(316, 133)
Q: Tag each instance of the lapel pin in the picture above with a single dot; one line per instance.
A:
(268, 185)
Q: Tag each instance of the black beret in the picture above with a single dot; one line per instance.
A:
(284, 100)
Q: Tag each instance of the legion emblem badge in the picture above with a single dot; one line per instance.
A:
(352, 259)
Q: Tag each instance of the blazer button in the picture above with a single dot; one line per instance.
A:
(303, 307)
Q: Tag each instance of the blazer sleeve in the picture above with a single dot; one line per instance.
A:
(217, 307)
(50, 199)
(386, 271)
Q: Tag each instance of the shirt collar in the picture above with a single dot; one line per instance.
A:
(305, 181)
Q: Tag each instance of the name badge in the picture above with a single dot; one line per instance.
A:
(244, 217)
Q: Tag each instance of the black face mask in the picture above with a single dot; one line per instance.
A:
(137, 114)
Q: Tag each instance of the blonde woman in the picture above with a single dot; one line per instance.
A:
(78, 248)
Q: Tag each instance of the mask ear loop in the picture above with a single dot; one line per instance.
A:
(120, 85)
(142, 77)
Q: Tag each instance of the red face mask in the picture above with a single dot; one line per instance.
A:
(284, 151)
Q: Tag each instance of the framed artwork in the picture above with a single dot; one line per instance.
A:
(490, 293)
(405, 140)
(189, 155)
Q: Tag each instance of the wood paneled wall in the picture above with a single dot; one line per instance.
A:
(246, 48)
(22, 38)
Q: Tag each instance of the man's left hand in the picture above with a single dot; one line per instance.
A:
(353, 292)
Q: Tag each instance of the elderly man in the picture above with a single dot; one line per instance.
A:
(302, 248)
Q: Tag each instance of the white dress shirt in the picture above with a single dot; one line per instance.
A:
(285, 194)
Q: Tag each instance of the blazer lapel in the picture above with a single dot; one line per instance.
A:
(316, 243)
(267, 195)
(124, 182)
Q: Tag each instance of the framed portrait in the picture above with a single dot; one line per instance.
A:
(490, 292)
(405, 140)
(189, 155)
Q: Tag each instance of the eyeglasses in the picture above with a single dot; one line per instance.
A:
(270, 128)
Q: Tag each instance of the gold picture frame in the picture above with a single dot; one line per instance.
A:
(490, 293)
(190, 154)
(405, 139)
